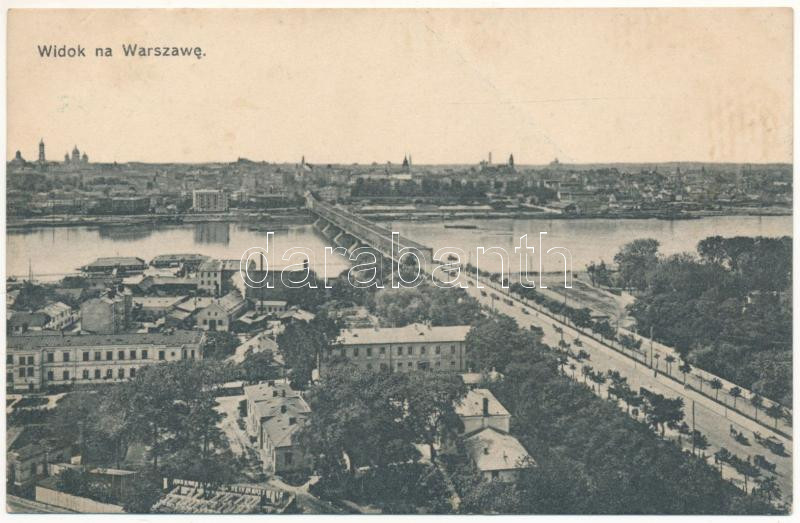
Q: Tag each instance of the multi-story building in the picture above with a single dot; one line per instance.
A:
(413, 347)
(108, 314)
(35, 362)
(221, 313)
(275, 413)
(209, 200)
(130, 205)
(60, 316)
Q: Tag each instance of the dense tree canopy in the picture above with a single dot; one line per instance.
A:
(728, 312)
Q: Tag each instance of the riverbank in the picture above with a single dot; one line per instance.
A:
(426, 215)
(278, 217)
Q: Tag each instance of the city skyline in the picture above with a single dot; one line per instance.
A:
(591, 86)
(494, 161)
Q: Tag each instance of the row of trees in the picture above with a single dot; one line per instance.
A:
(590, 456)
(727, 311)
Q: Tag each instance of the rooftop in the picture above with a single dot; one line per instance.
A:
(414, 333)
(472, 404)
(32, 342)
(491, 449)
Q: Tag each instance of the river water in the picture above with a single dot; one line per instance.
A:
(55, 251)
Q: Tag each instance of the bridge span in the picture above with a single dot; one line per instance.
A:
(337, 223)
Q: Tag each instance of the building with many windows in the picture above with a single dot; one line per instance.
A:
(35, 362)
(209, 200)
(413, 347)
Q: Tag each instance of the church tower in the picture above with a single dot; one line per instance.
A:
(41, 150)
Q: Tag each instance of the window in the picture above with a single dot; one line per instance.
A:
(438, 363)
(495, 474)
(161, 354)
(133, 373)
(355, 352)
(410, 364)
(50, 357)
(384, 366)
(369, 352)
(422, 350)
(383, 351)
(144, 354)
(66, 375)
(65, 356)
(121, 355)
(289, 458)
(22, 360)
(30, 371)
(192, 353)
(205, 322)
(85, 356)
(22, 372)
(86, 374)
(452, 349)
(9, 377)
(30, 360)
(452, 364)
(97, 356)
(49, 375)
(109, 355)
(399, 351)
(133, 354)
(410, 350)
(9, 360)
(109, 373)
(97, 374)
(438, 349)
(121, 373)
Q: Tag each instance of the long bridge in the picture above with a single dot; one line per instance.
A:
(336, 224)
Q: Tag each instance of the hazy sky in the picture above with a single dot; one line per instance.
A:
(445, 86)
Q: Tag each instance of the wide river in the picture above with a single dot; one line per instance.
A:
(51, 252)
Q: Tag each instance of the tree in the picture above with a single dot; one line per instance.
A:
(635, 260)
(669, 360)
(586, 371)
(219, 345)
(661, 411)
(258, 366)
(685, 369)
(735, 393)
(775, 412)
(359, 414)
(495, 342)
(143, 493)
(430, 399)
(699, 442)
(716, 384)
(768, 488)
(756, 402)
(303, 344)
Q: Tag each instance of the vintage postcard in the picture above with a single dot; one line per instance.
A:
(408, 261)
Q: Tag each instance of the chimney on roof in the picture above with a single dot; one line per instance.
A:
(274, 393)
(283, 393)
(485, 406)
(292, 421)
(283, 409)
